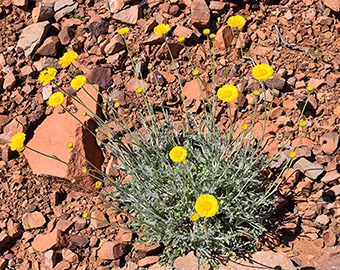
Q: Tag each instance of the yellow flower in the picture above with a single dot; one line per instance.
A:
(47, 75)
(227, 93)
(68, 58)
(181, 39)
(244, 126)
(194, 217)
(84, 113)
(56, 99)
(206, 31)
(123, 30)
(84, 170)
(212, 36)
(292, 154)
(256, 92)
(162, 29)
(262, 72)
(99, 184)
(178, 154)
(116, 104)
(85, 215)
(17, 142)
(206, 205)
(310, 88)
(195, 72)
(70, 144)
(73, 181)
(236, 21)
(302, 123)
(149, 66)
(78, 82)
(139, 90)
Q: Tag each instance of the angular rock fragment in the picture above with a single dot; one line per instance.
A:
(308, 168)
(112, 250)
(33, 220)
(200, 13)
(129, 15)
(44, 242)
(31, 36)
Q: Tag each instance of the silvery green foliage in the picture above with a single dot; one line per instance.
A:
(162, 194)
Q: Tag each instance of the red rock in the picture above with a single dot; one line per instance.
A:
(33, 220)
(216, 5)
(62, 266)
(322, 219)
(9, 81)
(43, 10)
(44, 242)
(31, 36)
(148, 261)
(4, 239)
(3, 264)
(78, 241)
(63, 7)
(329, 142)
(49, 46)
(329, 238)
(194, 90)
(64, 225)
(98, 220)
(134, 83)
(115, 45)
(224, 38)
(111, 250)
(51, 141)
(269, 259)
(316, 83)
(330, 177)
(50, 258)
(189, 262)
(14, 229)
(143, 250)
(337, 111)
(129, 15)
(184, 32)
(330, 264)
(66, 35)
(124, 235)
(116, 5)
(271, 129)
(20, 3)
(69, 256)
(289, 104)
(311, 170)
(100, 76)
(333, 5)
(154, 39)
(200, 13)
(158, 267)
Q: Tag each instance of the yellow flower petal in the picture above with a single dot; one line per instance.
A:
(78, 82)
(162, 29)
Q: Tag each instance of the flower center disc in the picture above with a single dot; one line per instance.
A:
(228, 93)
(206, 206)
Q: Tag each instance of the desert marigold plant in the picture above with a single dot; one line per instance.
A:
(193, 183)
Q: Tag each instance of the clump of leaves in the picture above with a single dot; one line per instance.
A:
(161, 194)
